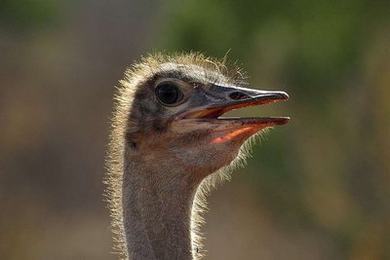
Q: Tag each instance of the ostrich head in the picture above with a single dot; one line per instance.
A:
(176, 116)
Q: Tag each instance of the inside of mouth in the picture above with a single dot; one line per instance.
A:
(219, 114)
(216, 114)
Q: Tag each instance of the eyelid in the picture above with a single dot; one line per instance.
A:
(184, 86)
(178, 82)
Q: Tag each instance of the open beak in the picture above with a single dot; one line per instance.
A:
(235, 98)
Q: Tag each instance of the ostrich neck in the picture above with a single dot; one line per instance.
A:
(157, 203)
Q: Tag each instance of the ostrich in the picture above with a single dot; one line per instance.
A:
(169, 145)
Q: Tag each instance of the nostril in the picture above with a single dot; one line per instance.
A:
(236, 95)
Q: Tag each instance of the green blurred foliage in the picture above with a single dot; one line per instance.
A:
(16, 15)
(322, 38)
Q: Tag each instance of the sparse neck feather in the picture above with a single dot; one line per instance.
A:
(157, 203)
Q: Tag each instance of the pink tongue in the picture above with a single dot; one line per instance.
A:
(231, 135)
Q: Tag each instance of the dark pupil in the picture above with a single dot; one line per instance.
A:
(168, 93)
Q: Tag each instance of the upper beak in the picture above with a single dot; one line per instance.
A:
(237, 97)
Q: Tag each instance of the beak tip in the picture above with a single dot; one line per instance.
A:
(283, 120)
(283, 95)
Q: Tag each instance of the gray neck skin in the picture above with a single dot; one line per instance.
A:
(157, 203)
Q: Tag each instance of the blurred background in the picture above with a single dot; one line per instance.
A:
(318, 188)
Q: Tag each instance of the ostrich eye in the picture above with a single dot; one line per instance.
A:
(168, 93)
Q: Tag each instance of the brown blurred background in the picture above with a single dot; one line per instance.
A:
(318, 188)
